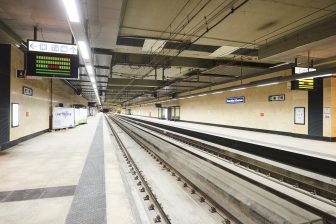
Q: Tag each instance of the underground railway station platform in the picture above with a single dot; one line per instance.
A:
(173, 112)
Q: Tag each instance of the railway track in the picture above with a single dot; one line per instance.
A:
(162, 216)
(314, 188)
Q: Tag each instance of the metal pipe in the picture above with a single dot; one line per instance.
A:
(35, 32)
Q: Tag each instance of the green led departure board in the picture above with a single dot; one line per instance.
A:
(52, 60)
(303, 84)
(53, 65)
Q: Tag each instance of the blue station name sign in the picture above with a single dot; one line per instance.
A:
(234, 100)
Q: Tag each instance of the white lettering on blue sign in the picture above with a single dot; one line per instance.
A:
(52, 47)
(232, 100)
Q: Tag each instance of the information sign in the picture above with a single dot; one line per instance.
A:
(52, 60)
(27, 91)
(303, 84)
(277, 97)
(234, 100)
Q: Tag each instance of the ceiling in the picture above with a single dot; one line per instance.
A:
(151, 49)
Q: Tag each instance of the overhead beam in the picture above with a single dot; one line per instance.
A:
(217, 75)
(168, 61)
(98, 66)
(315, 32)
(131, 88)
(98, 76)
(135, 82)
(78, 81)
(12, 35)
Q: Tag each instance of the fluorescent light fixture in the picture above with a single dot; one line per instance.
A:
(152, 45)
(72, 10)
(92, 79)
(275, 66)
(89, 70)
(83, 49)
(317, 76)
(268, 84)
(204, 94)
(222, 51)
(218, 92)
(190, 97)
(238, 89)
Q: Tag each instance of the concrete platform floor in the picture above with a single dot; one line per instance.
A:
(69, 176)
(315, 148)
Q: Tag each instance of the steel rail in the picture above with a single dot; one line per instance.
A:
(144, 183)
(214, 206)
(326, 194)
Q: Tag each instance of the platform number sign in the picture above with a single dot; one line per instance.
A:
(27, 91)
(52, 60)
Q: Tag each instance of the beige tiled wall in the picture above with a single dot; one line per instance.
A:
(278, 116)
(333, 106)
(35, 110)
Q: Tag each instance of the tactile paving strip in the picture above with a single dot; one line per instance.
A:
(89, 203)
(38, 193)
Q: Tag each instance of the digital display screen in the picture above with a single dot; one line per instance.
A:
(303, 84)
(52, 63)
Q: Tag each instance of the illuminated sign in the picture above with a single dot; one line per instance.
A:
(48, 47)
(277, 97)
(300, 70)
(303, 84)
(15, 115)
(51, 61)
(27, 91)
(234, 100)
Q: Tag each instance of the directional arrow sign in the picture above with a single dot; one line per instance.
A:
(73, 49)
(41, 46)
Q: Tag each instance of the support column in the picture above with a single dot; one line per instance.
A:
(5, 55)
(329, 108)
